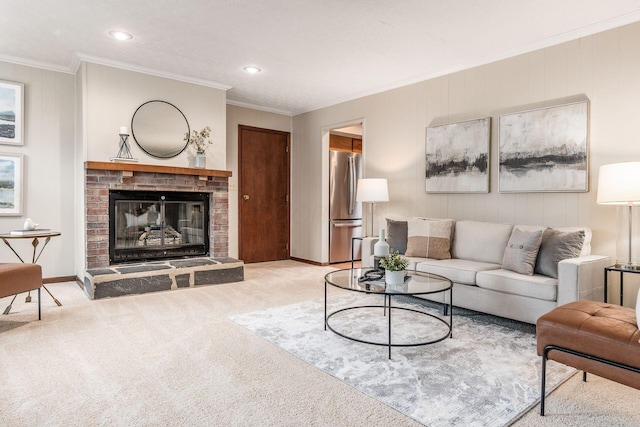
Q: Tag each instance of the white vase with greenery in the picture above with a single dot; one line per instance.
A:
(394, 266)
(200, 142)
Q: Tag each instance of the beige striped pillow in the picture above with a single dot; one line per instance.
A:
(427, 238)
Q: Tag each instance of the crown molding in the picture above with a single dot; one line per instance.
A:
(76, 62)
(258, 107)
(78, 58)
(149, 71)
(35, 64)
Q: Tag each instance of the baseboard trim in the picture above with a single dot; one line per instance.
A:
(306, 261)
(60, 279)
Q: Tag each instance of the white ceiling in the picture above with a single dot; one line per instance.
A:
(313, 53)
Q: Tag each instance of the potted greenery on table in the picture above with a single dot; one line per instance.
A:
(394, 266)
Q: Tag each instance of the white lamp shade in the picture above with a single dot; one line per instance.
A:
(372, 190)
(619, 184)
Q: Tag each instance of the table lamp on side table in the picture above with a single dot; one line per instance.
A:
(372, 190)
(619, 184)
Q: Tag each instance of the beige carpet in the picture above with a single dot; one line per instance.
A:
(175, 358)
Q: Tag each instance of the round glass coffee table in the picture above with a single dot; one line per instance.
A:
(368, 282)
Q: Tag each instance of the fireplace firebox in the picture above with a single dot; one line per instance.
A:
(154, 225)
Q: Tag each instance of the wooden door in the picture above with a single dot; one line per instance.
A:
(263, 167)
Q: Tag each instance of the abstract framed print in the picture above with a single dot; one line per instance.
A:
(545, 149)
(457, 157)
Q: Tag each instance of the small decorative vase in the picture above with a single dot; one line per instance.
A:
(200, 161)
(381, 248)
(394, 278)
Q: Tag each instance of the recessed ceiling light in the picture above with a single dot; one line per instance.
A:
(120, 35)
(252, 69)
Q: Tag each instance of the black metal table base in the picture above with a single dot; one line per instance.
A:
(388, 308)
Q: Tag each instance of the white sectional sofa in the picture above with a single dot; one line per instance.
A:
(485, 279)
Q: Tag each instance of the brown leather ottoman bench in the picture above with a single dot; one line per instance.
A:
(594, 337)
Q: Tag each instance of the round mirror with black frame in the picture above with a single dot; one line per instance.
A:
(159, 129)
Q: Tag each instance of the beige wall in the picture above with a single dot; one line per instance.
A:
(604, 68)
(48, 176)
(113, 95)
(100, 99)
(249, 117)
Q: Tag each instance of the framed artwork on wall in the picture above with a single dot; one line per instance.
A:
(11, 173)
(545, 149)
(457, 157)
(11, 113)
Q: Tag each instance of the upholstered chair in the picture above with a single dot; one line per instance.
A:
(16, 278)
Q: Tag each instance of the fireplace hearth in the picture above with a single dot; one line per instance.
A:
(129, 279)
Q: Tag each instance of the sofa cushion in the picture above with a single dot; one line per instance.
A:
(397, 235)
(480, 241)
(556, 246)
(457, 270)
(586, 244)
(429, 238)
(521, 251)
(536, 286)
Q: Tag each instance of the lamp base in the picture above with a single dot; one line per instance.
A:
(627, 266)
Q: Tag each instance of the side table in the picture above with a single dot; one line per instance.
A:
(35, 242)
(621, 271)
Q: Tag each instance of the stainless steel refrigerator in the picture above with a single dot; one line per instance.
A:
(345, 214)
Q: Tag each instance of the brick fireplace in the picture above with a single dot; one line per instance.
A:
(100, 177)
(103, 279)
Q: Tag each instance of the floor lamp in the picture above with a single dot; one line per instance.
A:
(619, 184)
(372, 190)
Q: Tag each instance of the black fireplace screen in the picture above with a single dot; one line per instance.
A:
(147, 225)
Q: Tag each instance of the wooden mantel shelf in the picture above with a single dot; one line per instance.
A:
(135, 167)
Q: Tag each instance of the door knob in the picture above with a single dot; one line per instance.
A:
(246, 197)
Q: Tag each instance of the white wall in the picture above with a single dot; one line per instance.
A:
(248, 117)
(603, 67)
(48, 156)
(113, 95)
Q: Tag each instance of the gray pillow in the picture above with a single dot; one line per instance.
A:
(556, 246)
(397, 235)
(522, 250)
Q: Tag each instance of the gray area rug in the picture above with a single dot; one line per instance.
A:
(488, 374)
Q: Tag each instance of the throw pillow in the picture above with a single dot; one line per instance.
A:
(522, 251)
(428, 238)
(397, 235)
(556, 246)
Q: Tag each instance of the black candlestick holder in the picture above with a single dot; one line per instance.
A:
(124, 154)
